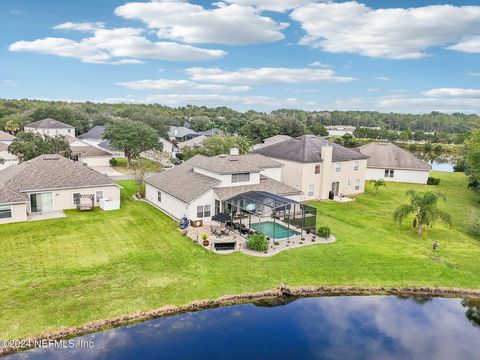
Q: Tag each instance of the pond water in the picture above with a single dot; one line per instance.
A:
(350, 327)
(439, 161)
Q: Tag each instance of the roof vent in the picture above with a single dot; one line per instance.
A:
(233, 158)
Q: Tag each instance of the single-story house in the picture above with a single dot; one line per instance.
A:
(50, 127)
(105, 145)
(6, 138)
(168, 147)
(94, 136)
(180, 133)
(198, 140)
(8, 159)
(201, 186)
(87, 154)
(389, 162)
(50, 183)
(317, 167)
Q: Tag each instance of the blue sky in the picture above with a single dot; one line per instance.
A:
(406, 56)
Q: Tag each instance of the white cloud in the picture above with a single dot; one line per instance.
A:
(449, 104)
(468, 45)
(234, 101)
(85, 26)
(474, 74)
(266, 75)
(127, 62)
(180, 85)
(395, 33)
(190, 23)
(382, 78)
(319, 64)
(107, 44)
(7, 83)
(272, 5)
(453, 92)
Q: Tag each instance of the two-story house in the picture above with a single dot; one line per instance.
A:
(50, 127)
(318, 167)
(199, 187)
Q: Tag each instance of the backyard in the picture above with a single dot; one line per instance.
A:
(89, 266)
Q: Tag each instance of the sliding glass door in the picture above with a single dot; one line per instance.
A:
(41, 202)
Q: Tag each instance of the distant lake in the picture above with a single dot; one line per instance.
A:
(350, 327)
(439, 161)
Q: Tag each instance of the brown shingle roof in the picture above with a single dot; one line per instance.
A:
(4, 136)
(307, 149)
(388, 155)
(229, 164)
(46, 172)
(48, 123)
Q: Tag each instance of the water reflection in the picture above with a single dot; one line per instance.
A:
(357, 327)
(438, 160)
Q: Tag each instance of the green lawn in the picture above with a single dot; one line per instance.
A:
(92, 266)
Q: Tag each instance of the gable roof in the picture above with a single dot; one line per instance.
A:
(46, 172)
(180, 131)
(231, 164)
(182, 182)
(4, 136)
(48, 123)
(308, 149)
(95, 133)
(388, 155)
(271, 140)
(197, 140)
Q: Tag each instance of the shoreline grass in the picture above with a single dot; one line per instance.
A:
(68, 272)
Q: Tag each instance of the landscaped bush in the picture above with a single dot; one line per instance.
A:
(433, 181)
(257, 242)
(324, 231)
(113, 162)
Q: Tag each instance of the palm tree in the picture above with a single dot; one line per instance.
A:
(243, 143)
(424, 205)
(378, 183)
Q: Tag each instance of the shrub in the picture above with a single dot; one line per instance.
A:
(413, 147)
(433, 181)
(427, 147)
(324, 231)
(257, 242)
(438, 148)
(113, 162)
(459, 167)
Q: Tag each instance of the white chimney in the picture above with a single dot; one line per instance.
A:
(234, 151)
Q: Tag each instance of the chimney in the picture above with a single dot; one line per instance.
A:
(234, 151)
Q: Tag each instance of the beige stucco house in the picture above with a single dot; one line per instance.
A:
(6, 159)
(50, 127)
(6, 138)
(48, 184)
(389, 162)
(199, 187)
(317, 166)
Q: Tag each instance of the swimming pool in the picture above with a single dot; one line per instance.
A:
(274, 230)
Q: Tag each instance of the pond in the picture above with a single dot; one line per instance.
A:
(439, 161)
(349, 327)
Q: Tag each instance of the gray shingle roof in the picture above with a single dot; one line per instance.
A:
(46, 172)
(307, 149)
(229, 164)
(4, 136)
(182, 182)
(266, 184)
(388, 155)
(271, 140)
(49, 123)
(197, 140)
(180, 131)
(95, 133)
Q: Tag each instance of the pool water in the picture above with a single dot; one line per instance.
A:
(274, 230)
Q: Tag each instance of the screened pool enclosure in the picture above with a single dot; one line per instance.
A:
(276, 216)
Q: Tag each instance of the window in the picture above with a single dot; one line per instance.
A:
(242, 177)
(5, 211)
(311, 190)
(389, 173)
(356, 165)
(357, 185)
(98, 196)
(76, 201)
(317, 169)
(159, 196)
(349, 183)
(203, 211)
(338, 167)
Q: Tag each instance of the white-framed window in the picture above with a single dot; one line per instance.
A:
(317, 169)
(357, 185)
(74, 198)
(356, 165)
(338, 167)
(159, 196)
(203, 211)
(311, 190)
(242, 177)
(389, 173)
(98, 196)
(5, 211)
